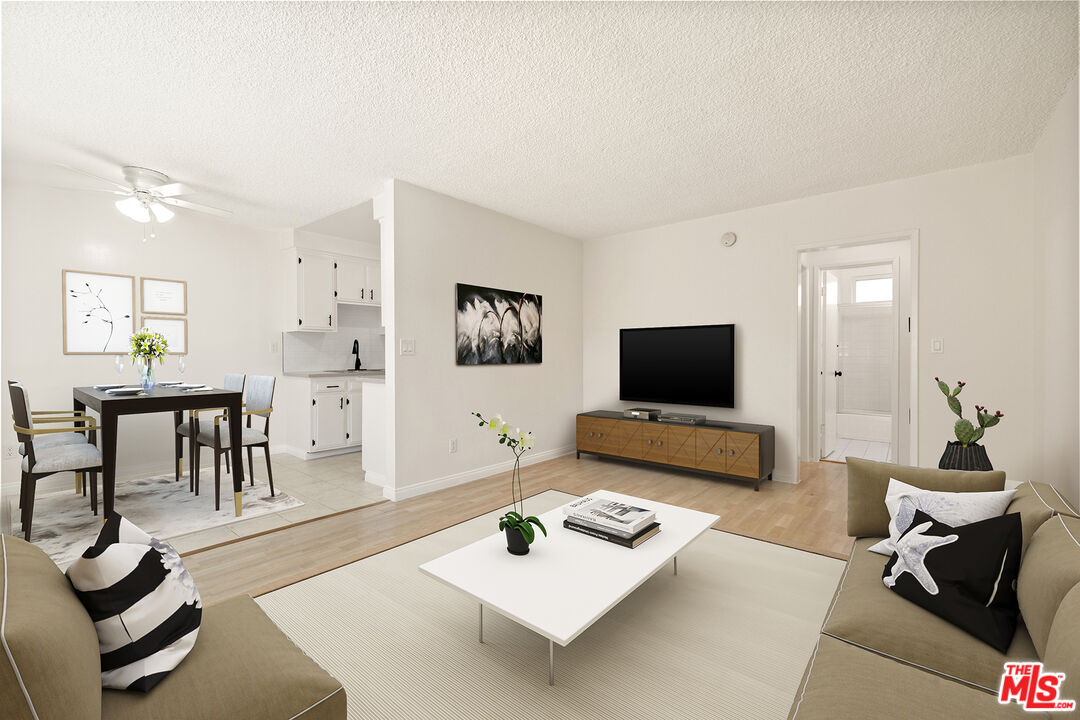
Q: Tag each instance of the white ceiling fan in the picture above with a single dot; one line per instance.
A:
(148, 193)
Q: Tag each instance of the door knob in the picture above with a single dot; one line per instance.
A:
(837, 373)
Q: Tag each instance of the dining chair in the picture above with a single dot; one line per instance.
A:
(55, 439)
(233, 381)
(260, 395)
(42, 461)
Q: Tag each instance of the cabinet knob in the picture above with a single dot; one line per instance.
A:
(659, 443)
(590, 434)
(719, 451)
(649, 442)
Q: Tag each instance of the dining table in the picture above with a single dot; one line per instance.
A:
(158, 399)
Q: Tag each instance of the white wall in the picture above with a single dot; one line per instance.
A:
(230, 322)
(1057, 317)
(976, 276)
(439, 241)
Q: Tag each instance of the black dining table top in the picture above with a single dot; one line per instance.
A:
(156, 400)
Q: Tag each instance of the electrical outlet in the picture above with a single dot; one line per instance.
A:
(11, 451)
(937, 345)
(453, 445)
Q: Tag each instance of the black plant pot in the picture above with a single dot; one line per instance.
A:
(958, 457)
(515, 542)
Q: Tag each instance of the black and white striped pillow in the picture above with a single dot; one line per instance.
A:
(143, 603)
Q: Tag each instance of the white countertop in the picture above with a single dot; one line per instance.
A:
(368, 375)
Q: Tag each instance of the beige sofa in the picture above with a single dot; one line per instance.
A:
(242, 667)
(882, 656)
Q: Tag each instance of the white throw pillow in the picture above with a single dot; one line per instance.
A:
(950, 508)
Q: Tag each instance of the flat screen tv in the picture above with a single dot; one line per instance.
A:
(688, 365)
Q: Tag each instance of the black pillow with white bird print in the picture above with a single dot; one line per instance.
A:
(965, 574)
(143, 602)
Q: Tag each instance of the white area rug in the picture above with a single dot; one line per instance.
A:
(729, 637)
(64, 524)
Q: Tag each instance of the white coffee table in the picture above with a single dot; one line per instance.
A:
(568, 580)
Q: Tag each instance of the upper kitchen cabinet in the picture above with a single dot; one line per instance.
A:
(313, 278)
(358, 281)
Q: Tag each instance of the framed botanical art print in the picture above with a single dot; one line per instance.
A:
(163, 297)
(99, 312)
(174, 330)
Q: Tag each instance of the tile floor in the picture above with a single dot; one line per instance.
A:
(846, 447)
(326, 486)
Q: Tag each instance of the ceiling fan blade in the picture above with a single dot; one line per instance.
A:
(98, 190)
(126, 188)
(172, 190)
(195, 206)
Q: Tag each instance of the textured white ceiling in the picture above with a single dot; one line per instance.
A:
(588, 118)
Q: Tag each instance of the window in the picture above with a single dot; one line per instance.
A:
(874, 290)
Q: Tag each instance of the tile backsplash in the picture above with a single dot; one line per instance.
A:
(312, 351)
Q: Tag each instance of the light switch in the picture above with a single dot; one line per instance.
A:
(937, 345)
(408, 346)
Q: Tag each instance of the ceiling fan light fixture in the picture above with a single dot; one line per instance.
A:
(134, 209)
(161, 213)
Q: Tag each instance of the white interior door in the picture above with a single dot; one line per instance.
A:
(830, 361)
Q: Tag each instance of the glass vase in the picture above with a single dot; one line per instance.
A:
(148, 379)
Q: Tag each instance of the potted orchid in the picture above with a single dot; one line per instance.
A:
(146, 347)
(518, 528)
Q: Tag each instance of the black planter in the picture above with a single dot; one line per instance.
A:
(515, 542)
(958, 457)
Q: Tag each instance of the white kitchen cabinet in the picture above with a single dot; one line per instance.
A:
(354, 405)
(315, 277)
(373, 273)
(351, 279)
(359, 281)
(328, 420)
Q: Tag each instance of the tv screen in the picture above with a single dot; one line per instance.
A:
(689, 365)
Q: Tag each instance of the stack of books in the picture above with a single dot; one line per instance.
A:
(610, 520)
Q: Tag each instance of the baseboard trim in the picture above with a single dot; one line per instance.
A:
(448, 481)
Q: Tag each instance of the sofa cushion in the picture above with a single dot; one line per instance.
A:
(1051, 568)
(1063, 646)
(965, 574)
(864, 612)
(242, 668)
(868, 481)
(49, 663)
(143, 602)
(1037, 503)
(844, 681)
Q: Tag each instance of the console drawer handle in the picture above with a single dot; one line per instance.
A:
(731, 452)
(659, 443)
(649, 442)
(719, 451)
(590, 434)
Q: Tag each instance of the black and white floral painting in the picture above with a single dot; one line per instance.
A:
(99, 312)
(497, 327)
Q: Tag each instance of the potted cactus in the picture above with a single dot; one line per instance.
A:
(965, 453)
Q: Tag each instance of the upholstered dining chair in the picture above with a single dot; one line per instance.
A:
(233, 381)
(55, 439)
(42, 461)
(260, 396)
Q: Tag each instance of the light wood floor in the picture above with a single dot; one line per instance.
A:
(811, 515)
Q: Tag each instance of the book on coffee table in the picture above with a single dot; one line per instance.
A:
(630, 542)
(610, 513)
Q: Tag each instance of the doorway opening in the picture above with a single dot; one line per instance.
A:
(857, 356)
